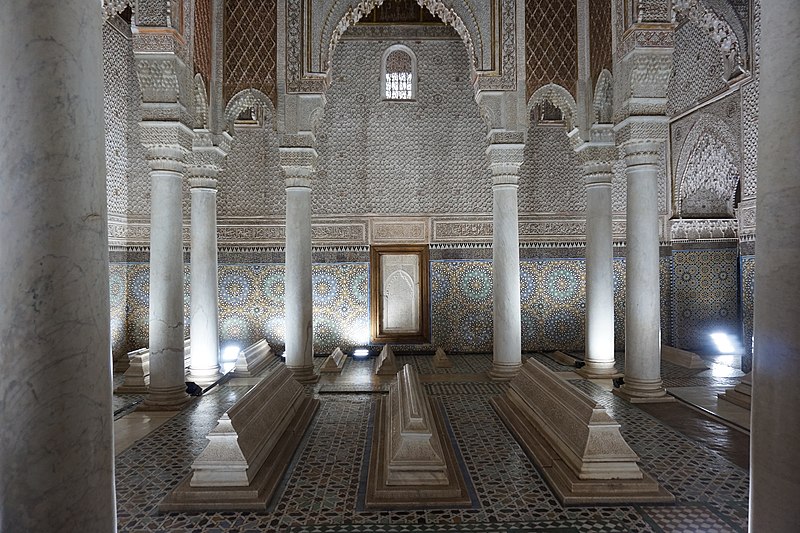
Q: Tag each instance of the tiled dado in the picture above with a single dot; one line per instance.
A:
(251, 303)
(747, 278)
(704, 296)
(553, 302)
(553, 299)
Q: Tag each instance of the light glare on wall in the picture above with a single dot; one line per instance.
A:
(359, 333)
(230, 353)
(723, 343)
(360, 352)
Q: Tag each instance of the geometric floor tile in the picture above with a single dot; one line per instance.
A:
(320, 490)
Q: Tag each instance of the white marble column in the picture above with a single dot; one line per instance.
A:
(505, 161)
(299, 334)
(56, 444)
(642, 300)
(204, 367)
(167, 365)
(599, 357)
(775, 416)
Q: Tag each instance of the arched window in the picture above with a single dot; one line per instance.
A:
(399, 71)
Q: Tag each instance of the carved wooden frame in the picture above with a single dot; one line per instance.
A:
(376, 282)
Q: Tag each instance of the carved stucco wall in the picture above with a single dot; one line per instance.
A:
(698, 71)
(425, 156)
(549, 178)
(251, 183)
(128, 181)
(117, 73)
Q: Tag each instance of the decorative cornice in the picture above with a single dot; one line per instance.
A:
(703, 229)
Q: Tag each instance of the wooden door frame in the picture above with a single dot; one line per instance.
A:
(376, 281)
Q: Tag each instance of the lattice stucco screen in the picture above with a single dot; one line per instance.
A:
(250, 47)
(551, 44)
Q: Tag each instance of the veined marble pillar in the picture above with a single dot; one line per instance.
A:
(56, 444)
(167, 365)
(599, 271)
(204, 367)
(642, 301)
(505, 161)
(775, 417)
(299, 334)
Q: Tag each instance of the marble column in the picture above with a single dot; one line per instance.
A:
(505, 161)
(299, 334)
(167, 365)
(599, 357)
(775, 417)
(204, 367)
(56, 444)
(643, 297)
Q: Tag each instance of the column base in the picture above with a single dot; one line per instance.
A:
(591, 371)
(304, 374)
(640, 395)
(204, 377)
(504, 371)
(169, 399)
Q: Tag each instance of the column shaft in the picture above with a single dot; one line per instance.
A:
(775, 417)
(56, 444)
(299, 337)
(642, 302)
(599, 274)
(505, 280)
(204, 368)
(167, 365)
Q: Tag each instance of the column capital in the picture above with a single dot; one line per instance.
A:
(202, 182)
(167, 144)
(598, 173)
(167, 158)
(209, 152)
(642, 152)
(504, 162)
(298, 164)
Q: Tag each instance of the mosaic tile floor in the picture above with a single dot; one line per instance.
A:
(320, 490)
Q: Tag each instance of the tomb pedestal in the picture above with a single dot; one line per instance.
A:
(249, 450)
(412, 460)
(575, 444)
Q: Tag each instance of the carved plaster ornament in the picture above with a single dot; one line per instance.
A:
(112, 8)
(364, 7)
(710, 179)
(719, 29)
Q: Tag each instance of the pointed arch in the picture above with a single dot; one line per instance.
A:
(603, 102)
(709, 160)
(559, 97)
(246, 99)
(446, 14)
(200, 102)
